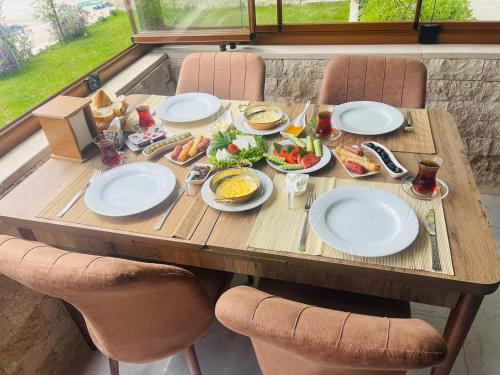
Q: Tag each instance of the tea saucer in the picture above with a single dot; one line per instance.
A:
(441, 192)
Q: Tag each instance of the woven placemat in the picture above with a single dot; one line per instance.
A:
(418, 141)
(286, 235)
(181, 222)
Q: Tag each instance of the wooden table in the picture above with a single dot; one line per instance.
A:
(219, 241)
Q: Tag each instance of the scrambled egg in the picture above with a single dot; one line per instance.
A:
(237, 186)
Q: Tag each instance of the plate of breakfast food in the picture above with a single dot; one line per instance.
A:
(189, 151)
(234, 148)
(140, 140)
(243, 125)
(237, 189)
(363, 221)
(166, 144)
(386, 158)
(298, 155)
(355, 162)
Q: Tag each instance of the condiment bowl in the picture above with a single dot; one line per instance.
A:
(235, 176)
(254, 116)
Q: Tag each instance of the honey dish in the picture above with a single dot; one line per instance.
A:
(263, 117)
(235, 185)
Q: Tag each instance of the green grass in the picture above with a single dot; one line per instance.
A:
(306, 13)
(59, 65)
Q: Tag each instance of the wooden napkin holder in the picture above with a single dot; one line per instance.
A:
(69, 126)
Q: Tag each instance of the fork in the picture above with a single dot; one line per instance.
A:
(95, 175)
(311, 197)
(409, 122)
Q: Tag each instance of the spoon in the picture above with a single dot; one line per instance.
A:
(300, 120)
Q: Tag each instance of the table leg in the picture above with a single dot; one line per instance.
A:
(457, 327)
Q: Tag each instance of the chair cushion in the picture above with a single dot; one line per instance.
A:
(336, 299)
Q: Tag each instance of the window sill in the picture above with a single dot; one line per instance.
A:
(25, 156)
(320, 52)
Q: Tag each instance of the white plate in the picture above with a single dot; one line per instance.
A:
(188, 160)
(243, 126)
(352, 174)
(325, 159)
(363, 221)
(130, 189)
(189, 107)
(367, 118)
(266, 191)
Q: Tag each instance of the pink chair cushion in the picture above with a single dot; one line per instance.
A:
(395, 81)
(227, 75)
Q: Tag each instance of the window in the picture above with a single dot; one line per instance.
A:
(45, 47)
(318, 21)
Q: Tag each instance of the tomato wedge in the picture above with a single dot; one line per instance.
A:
(309, 160)
(293, 156)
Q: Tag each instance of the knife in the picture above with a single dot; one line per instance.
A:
(430, 225)
(164, 215)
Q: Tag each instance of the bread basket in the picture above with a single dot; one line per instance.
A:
(263, 116)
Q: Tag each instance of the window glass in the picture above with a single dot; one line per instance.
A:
(324, 11)
(152, 15)
(266, 12)
(46, 45)
(460, 10)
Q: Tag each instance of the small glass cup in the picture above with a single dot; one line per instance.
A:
(425, 182)
(324, 128)
(146, 120)
(110, 158)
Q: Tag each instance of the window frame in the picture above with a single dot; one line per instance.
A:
(26, 124)
(474, 32)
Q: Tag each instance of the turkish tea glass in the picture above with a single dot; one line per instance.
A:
(425, 182)
(146, 120)
(110, 158)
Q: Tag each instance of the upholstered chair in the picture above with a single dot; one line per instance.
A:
(392, 80)
(294, 338)
(135, 312)
(227, 75)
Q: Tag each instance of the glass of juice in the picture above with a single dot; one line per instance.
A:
(110, 158)
(425, 182)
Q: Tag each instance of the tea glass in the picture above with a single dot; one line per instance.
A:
(110, 158)
(425, 182)
(146, 120)
(324, 128)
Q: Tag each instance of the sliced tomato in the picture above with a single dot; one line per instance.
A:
(309, 160)
(293, 156)
(275, 153)
(283, 153)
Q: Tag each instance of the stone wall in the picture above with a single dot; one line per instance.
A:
(468, 88)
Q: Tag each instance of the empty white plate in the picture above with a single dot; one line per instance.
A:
(367, 118)
(364, 221)
(130, 189)
(189, 107)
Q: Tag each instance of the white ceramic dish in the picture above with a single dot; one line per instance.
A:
(187, 161)
(352, 174)
(259, 198)
(243, 126)
(188, 107)
(364, 221)
(199, 182)
(367, 118)
(325, 159)
(395, 161)
(130, 189)
(166, 147)
(135, 148)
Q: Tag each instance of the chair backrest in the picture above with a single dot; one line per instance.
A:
(292, 338)
(392, 80)
(135, 312)
(227, 75)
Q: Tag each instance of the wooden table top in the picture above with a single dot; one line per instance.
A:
(475, 259)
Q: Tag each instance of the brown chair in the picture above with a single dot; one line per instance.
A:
(227, 75)
(392, 80)
(294, 338)
(135, 312)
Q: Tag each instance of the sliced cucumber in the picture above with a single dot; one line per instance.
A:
(291, 167)
(274, 159)
(309, 144)
(297, 141)
(318, 148)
